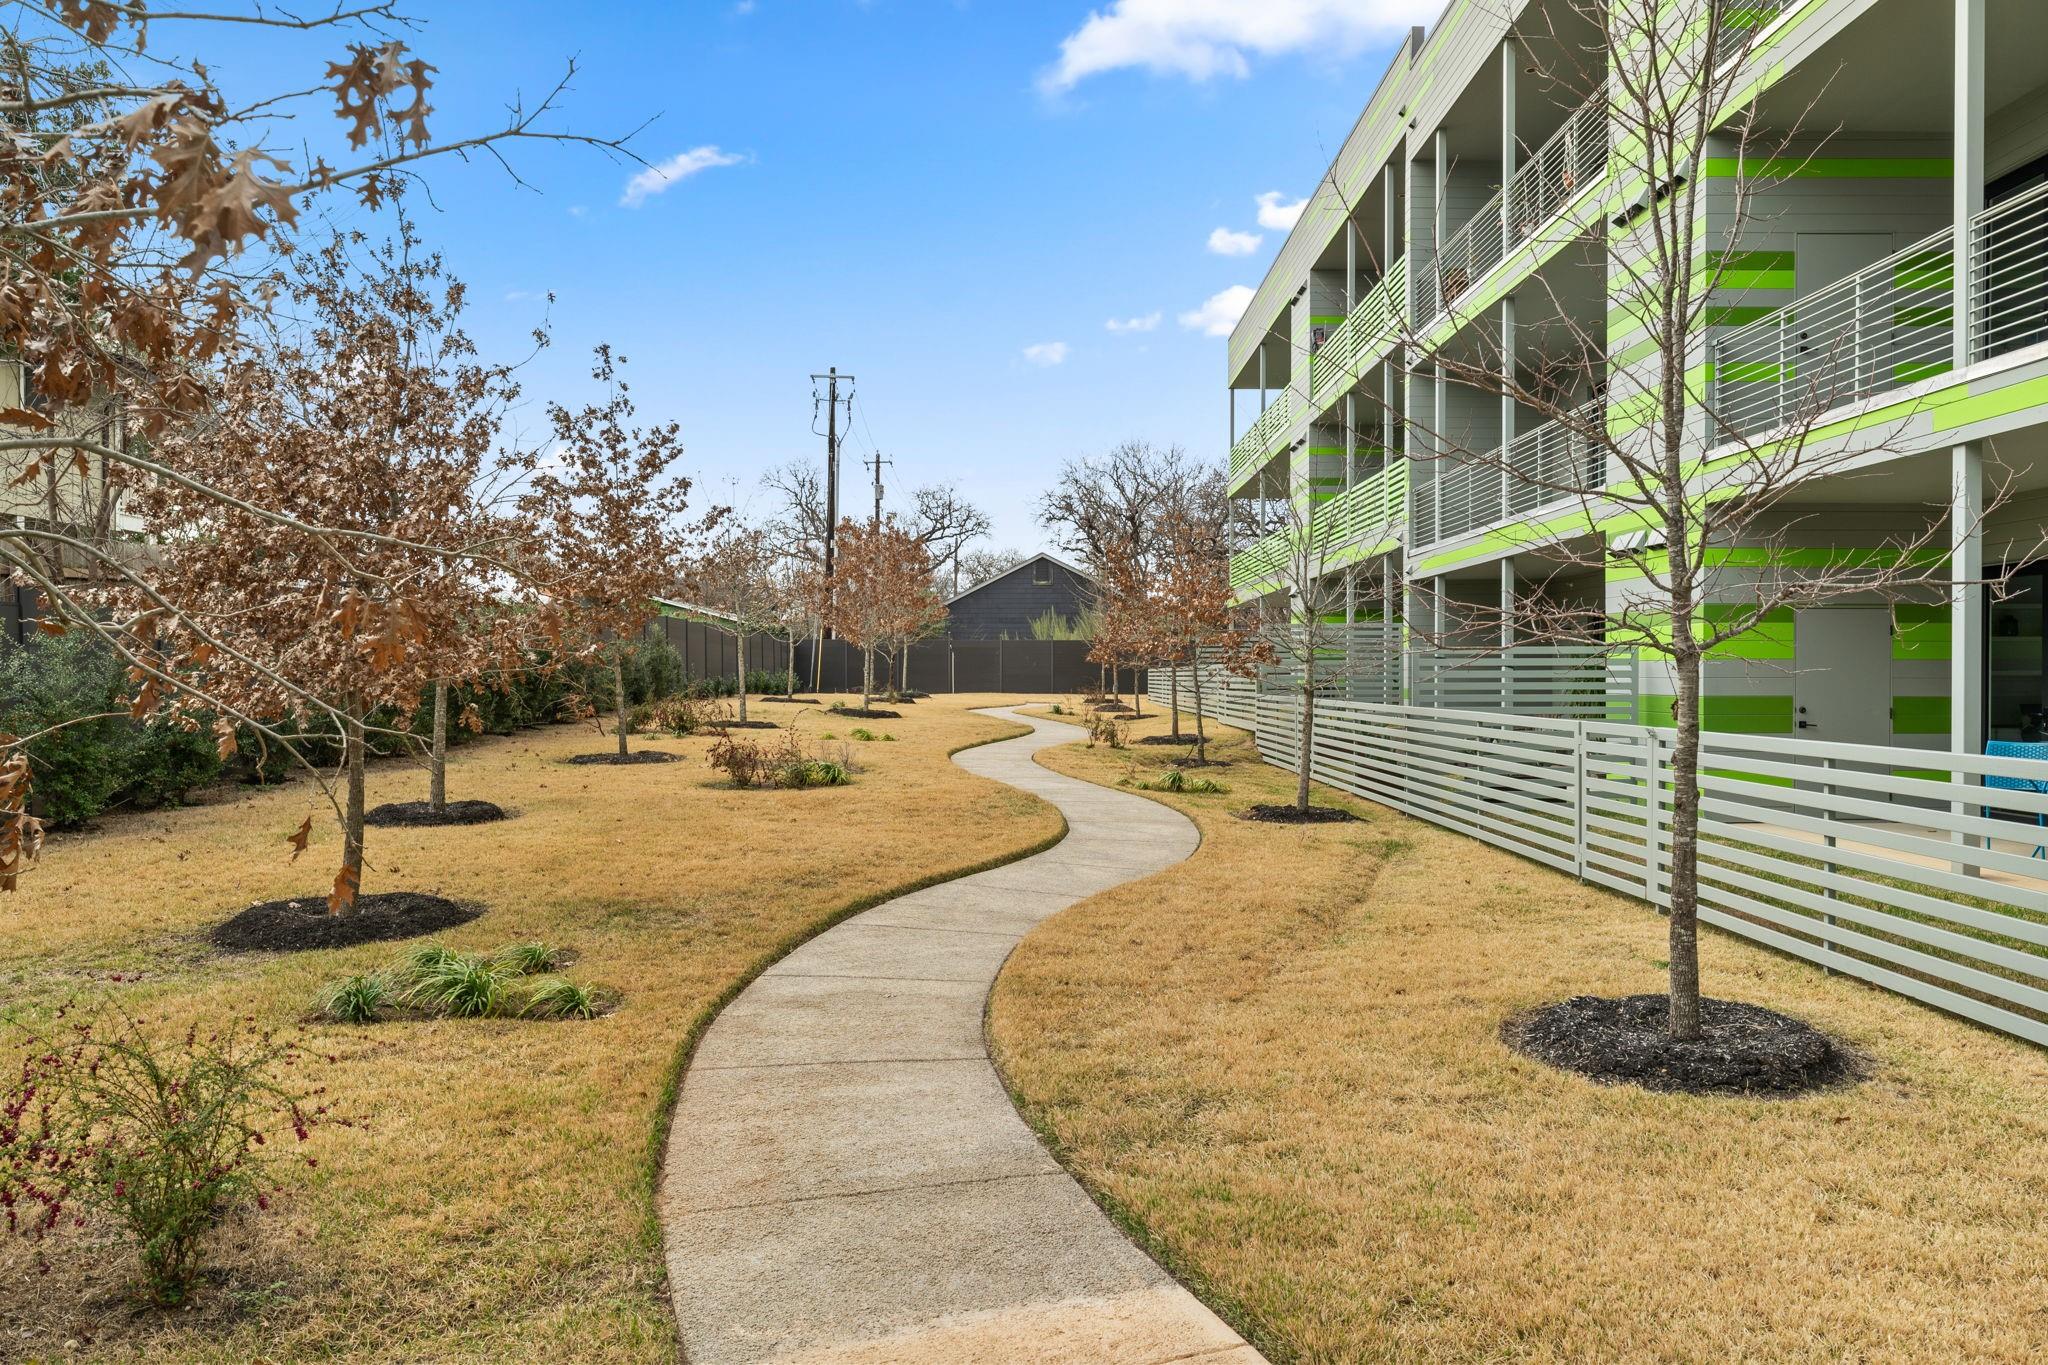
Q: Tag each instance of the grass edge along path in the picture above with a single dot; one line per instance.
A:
(1307, 1115)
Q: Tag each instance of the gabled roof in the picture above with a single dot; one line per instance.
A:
(1081, 574)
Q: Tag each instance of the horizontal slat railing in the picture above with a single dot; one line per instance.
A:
(2009, 265)
(1893, 866)
(1886, 326)
(1547, 466)
(1264, 434)
(1362, 516)
(1571, 681)
(1338, 362)
(1574, 158)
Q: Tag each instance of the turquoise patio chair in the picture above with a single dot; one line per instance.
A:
(2019, 748)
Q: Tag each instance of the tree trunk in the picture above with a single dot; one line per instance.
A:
(1173, 699)
(789, 671)
(1308, 746)
(619, 697)
(1201, 736)
(904, 686)
(741, 641)
(437, 758)
(349, 884)
(817, 658)
(867, 677)
(1685, 851)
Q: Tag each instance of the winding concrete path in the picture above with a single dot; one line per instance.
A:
(846, 1179)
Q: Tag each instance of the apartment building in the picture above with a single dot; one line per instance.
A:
(1897, 242)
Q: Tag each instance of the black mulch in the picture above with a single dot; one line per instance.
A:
(296, 925)
(866, 713)
(743, 725)
(1742, 1050)
(636, 756)
(423, 813)
(1110, 708)
(1165, 739)
(793, 701)
(1289, 815)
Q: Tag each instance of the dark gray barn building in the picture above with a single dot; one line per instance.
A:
(1003, 607)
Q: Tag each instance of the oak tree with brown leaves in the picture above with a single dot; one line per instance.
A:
(880, 590)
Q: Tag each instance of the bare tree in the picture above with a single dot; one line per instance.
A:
(880, 590)
(946, 523)
(1636, 464)
(736, 577)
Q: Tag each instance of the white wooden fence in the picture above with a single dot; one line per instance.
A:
(1859, 858)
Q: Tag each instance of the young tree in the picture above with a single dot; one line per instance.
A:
(128, 184)
(605, 507)
(371, 418)
(1125, 625)
(881, 589)
(1192, 611)
(737, 577)
(1615, 422)
(1300, 625)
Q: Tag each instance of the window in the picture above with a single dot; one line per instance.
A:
(1041, 573)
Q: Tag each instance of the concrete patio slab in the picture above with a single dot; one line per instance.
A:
(846, 1180)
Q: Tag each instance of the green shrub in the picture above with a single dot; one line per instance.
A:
(769, 682)
(558, 998)
(656, 671)
(459, 984)
(357, 999)
(710, 689)
(529, 959)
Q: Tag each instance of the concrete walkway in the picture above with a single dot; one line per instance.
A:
(846, 1179)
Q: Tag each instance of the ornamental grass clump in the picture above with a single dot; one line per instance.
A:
(358, 999)
(462, 986)
(559, 998)
(164, 1135)
(436, 982)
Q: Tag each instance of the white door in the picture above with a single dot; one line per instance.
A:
(1842, 687)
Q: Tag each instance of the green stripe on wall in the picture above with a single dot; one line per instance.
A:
(1830, 168)
(1920, 715)
(1765, 715)
(1921, 632)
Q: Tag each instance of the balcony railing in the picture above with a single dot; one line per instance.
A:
(2009, 264)
(1550, 465)
(1363, 515)
(1882, 328)
(1337, 363)
(1573, 158)
(1258, 442)
(1888, 325)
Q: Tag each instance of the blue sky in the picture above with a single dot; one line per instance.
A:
(917, 191)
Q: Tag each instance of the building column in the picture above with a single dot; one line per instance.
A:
(1436, 448)
(1968, 183)
(1507, 401)
(1966, 599)
(1350, 264)
(1233, 418)
(1441, 170)
(1262, 376)
(1507, 602)
(1350, 440)
(1510, 147)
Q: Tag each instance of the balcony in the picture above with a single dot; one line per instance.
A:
(1352, 525)
(1263, 437)
(1554, 465)
(1337, 364)
(1888, 326)
(1561, 169)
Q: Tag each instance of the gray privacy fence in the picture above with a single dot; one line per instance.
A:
(1030, 666)
(1859, 858)
(710, 651)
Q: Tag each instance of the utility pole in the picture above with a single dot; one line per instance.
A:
(831, 378)
(877, 463)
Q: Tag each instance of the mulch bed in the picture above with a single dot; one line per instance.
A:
(1165, 739)
(296, 925)
(743, 725)
(1268, 813)
(865, 713)
(420, 813)
(793, 701)
(1110, 708)
(1742, 1049)
(635, 756)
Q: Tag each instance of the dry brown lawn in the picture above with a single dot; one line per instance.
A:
(1279, 1063)
(495, 1203)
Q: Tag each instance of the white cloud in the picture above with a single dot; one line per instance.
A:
(1201, 39)
(1219, 312)
(680, 167)
(1224, 242)
(1276, 215)
(1046, 354)
(1146, 323)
